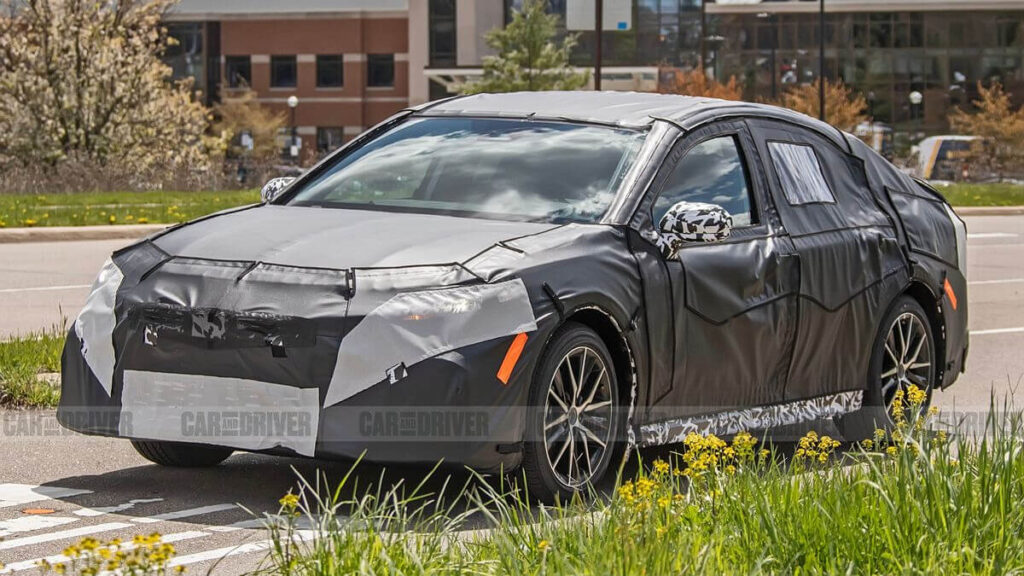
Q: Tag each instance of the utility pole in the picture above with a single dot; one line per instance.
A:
(821, 60)
(598, 29)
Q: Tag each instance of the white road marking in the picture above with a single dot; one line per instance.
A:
(101, 510)
(19, 494)
(32, 523)
(1003, 281)
(997, 331)
(992, 235)
(184, 513)
(228, 551)
(126, 546)
(62, 534)
(45, 288)
(251, 524)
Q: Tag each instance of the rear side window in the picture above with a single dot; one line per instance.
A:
(800, 173)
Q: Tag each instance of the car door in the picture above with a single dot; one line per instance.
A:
(849, 254)
(734, 301)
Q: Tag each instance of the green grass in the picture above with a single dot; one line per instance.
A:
(22, 360)
(112, 208)
(931, 506)
(91, 209)
(1002, 194)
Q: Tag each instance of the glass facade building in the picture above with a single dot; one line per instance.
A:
(885, 55)
(886, 50)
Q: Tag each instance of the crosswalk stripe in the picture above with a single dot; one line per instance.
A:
(60, 558)
(228, 551)
(32, 523)
(62, 534)
(20, 494)
(188, 513)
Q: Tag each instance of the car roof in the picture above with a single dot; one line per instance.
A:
(624, 109)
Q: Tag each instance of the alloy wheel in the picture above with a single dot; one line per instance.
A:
(907, 359)
(578, 415)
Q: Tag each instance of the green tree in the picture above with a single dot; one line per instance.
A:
(528, 57)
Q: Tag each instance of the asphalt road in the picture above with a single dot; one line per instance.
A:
(100, 487)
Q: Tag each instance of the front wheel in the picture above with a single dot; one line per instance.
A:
(181, 455)
(574, 420)
(903, 355)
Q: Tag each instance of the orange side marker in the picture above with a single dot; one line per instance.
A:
(511, 357)
(949, 292)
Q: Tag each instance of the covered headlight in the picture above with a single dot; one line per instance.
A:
(414, 326)
(95, 324)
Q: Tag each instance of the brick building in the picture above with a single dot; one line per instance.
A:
(345, 60)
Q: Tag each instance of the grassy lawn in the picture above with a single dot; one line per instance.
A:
(172, 207)
(19, 210)
(983, 194)
(916, 502)
(22, 360)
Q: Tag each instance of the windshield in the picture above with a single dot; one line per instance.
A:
(491, 168)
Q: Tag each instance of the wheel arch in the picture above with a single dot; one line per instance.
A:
(932, 305)
(608, 329)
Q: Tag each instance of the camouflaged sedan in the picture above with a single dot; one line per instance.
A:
(531, 283)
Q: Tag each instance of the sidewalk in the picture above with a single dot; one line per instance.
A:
(989, 210)
(78, 233)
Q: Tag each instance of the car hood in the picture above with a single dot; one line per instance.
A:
(339, 238)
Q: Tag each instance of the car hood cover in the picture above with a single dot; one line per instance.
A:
(336, 238)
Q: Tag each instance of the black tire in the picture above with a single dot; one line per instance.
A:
(181, 455)
(544, 480)
(875, 414)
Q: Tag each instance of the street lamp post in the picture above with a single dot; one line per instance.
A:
(916, 98)
(821, 60)
(293, 103)
(598, 41)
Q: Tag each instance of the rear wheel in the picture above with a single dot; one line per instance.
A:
(181, 455)
(903, 355)
(574, 421)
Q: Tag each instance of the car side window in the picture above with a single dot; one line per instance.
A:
(800, 173)
(711, 172)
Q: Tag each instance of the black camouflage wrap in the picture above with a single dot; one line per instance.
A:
(251, 309)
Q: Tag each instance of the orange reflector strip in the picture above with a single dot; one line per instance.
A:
(511, 357)
(949, 292)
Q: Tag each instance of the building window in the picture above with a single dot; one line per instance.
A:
(442, 33)
(380, 70)
(330, 71)
(284, 72)
(328, 139)
(238, 71)
(186, 55)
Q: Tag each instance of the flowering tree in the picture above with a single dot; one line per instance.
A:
(1001, 128)
(528, 57)
(82, 80)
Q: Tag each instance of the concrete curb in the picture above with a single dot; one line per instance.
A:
(989, 210)
(77, 233)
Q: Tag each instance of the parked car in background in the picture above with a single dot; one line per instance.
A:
(947, 158)
(532, 283)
